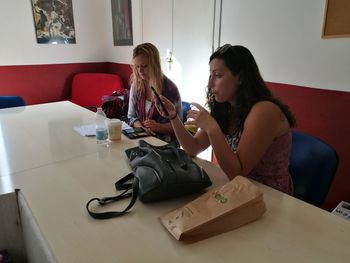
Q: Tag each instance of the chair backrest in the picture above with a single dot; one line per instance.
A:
(313, 164)
(88, 88)
(11, 101)
(186, 106)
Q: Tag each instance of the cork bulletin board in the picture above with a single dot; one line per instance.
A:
(336, 19)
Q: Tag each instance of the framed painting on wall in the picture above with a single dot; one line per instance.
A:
(53, 21)
(122, 22)
(336, 19)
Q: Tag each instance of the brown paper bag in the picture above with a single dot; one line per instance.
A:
(222, 209)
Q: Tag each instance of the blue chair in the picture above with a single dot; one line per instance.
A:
(186, 106)
(11, 101)
(313, 164)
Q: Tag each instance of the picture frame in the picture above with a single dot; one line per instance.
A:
(122, 22)
(53, 21)
(336, 23)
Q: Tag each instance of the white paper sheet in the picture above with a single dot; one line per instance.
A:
(89, 130)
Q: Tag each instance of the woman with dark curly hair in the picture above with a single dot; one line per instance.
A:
(248, 128)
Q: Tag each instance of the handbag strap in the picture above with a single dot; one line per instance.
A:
(120, 185)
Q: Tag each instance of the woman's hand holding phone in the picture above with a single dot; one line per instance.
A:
(164, 106)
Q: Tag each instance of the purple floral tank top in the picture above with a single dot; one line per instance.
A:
(272, 169)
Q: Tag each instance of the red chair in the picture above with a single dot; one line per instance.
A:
(88, 88)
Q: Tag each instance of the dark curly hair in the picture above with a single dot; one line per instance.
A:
(251, 89)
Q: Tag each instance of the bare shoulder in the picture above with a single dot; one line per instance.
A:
(267, 115)
(265, 107)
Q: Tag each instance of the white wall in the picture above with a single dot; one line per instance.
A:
(18, 41)
(189, 37)
(285, 38)
(193, 33)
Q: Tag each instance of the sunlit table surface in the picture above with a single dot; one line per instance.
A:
(66, 170)
(33, 136)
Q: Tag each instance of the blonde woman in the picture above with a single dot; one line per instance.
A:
(147, 73)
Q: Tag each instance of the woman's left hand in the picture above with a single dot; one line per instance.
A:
(200, 117)
(151, 126)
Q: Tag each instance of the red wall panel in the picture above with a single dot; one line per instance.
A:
(123, 70)
(43, 83)
(323, 113)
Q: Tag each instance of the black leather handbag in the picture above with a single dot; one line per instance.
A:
(159, 173)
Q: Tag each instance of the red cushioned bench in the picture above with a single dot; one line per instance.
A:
(88, 88)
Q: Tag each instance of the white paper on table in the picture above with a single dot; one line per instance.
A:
(125, 125)
(89, 130)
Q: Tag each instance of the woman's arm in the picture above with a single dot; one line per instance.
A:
(164, 128)
(264, 122)
(132, 115)
(228, 160)
(154, 126)
(191, 144)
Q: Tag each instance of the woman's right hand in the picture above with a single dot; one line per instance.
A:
(201, 117)
(169, 107)
(137, 124)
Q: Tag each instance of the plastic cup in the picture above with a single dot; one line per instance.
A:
(114, 127)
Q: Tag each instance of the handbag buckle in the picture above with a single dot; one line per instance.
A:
(104, 200)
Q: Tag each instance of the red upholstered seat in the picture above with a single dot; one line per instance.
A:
(88, 88)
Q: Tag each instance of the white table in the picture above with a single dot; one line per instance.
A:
(56, 184)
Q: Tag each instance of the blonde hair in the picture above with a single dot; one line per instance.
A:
(154, 69)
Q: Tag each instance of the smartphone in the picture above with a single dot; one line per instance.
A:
(138, 130)
(128, 131)
(160, 102)
(134, 133)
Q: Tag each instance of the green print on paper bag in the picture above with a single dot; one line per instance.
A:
(220, 198)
